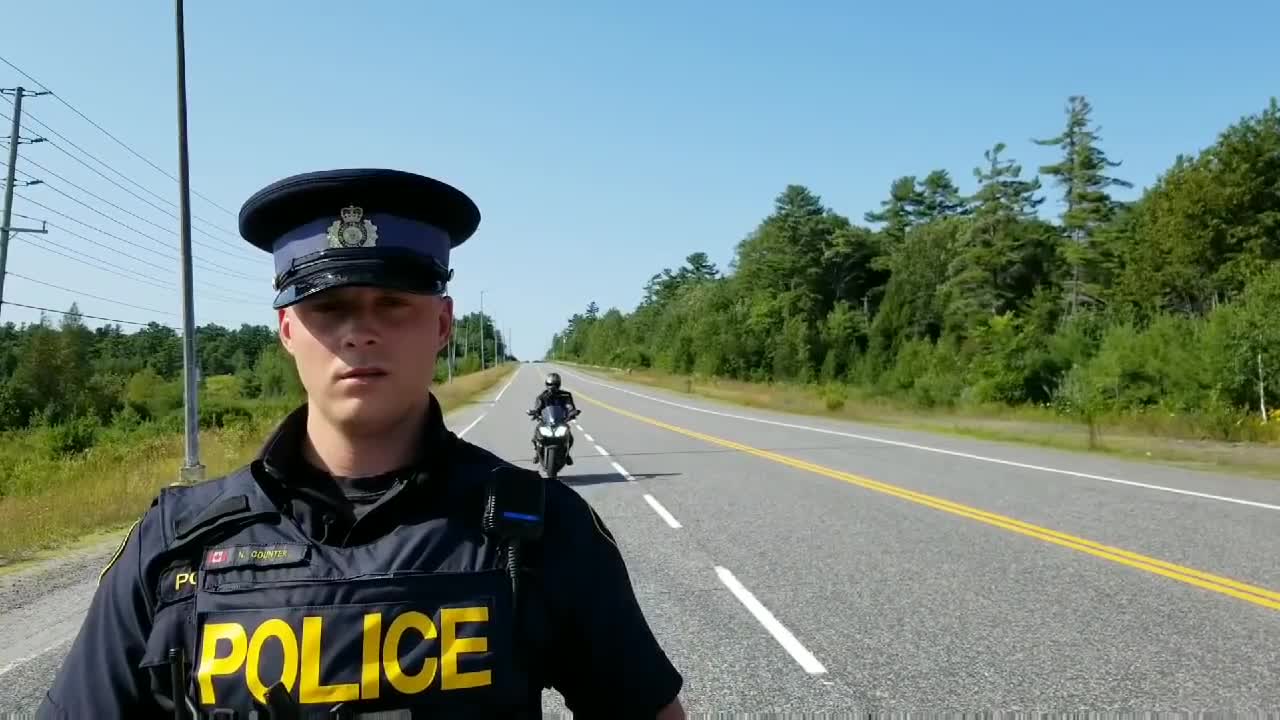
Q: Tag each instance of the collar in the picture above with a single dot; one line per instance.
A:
(281, 454)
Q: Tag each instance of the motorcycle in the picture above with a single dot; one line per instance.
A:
(554, 438)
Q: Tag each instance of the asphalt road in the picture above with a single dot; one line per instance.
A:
(792, 564)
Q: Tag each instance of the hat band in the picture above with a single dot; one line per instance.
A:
(354, 230)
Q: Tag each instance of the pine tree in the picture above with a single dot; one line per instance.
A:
(899, 212)
(1088, 205)
(939, 198)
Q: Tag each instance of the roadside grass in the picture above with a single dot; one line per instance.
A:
(51, 500)
(1183, 441)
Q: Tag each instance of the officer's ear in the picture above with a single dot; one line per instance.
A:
(286, 327)
(446, 319)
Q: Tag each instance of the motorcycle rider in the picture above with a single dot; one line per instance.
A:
(553, 395)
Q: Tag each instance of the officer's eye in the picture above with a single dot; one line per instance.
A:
(392, 301)
(329, 307)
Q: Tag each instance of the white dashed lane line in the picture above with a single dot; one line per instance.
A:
(770, 623)
(475, 422)
(662, 512)
(755, 607)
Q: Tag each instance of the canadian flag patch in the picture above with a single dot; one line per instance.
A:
(217, 557)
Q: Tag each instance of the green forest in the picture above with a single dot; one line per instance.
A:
(64, 374)
(91, 419)
(951, 298)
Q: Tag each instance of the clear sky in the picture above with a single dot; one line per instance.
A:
(602, 141)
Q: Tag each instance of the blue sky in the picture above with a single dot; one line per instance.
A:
(602, 141)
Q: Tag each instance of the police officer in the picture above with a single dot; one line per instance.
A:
(368, 560)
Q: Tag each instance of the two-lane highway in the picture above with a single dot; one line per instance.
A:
(922, 572)
(808, 565)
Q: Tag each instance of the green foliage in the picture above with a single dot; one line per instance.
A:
(77, 388)
(1160, 307)
(70, 438)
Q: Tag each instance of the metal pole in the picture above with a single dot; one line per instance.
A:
(8, 190)
(192, 471)
(482, 329)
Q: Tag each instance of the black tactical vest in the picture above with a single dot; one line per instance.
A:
(255, 620)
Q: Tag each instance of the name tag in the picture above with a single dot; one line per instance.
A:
(236, 556)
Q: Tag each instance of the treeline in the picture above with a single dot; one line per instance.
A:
(54, 374)
(1167, 304)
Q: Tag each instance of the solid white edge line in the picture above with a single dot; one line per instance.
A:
(955, 453)
(662, 512)
(770, 623)
(475, 422)
(602, 451)
(503, 391)
(623, 472)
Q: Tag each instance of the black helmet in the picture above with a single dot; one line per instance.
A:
(553, 381)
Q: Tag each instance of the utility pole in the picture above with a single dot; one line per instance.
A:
(14, 140)
(192, 472)
(453, 330)
(481, 337)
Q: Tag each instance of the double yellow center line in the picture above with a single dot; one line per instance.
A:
(1226, 586)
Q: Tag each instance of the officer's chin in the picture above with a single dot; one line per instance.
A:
(363, 415)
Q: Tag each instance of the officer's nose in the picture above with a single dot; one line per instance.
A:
(363, 340)
(359, 334)
(360, 328)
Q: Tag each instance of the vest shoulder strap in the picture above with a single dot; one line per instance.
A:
(199, 515)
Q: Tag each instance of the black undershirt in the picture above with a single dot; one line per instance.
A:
(340, 502)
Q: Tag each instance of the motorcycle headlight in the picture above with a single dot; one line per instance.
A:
(544, 431)
(562, 431)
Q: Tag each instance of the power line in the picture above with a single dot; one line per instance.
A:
(100, 231)
(223, 269)
(108, 134)
(154, 224)
(95, 297)
(146, 279)
(149, 279)
(115, 251)
(78, 314)
(132, 274)
(91, 156)
(103, 245)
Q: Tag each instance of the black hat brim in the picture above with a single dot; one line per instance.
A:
(387, 274)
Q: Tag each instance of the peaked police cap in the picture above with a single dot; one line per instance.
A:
(364, 226)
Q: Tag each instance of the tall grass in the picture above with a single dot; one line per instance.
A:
(464, 388)
(1215, 436)
(58, 484)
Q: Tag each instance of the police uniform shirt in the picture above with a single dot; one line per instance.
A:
(597, 648)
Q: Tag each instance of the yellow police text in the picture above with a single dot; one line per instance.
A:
(230, 649)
